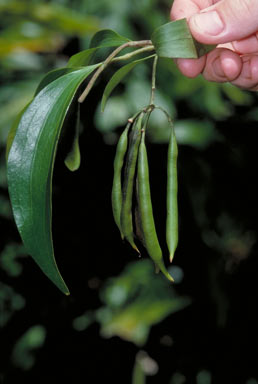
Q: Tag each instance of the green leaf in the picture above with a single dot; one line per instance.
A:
(117, 77)
(82, 58)
(30, 168)
(13, 130)
(107, 38)
(73, 159)
(174, 40)
(48, 78)
(52, 76)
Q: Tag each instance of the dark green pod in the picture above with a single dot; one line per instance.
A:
(149, 234)
(116, 194)
(129, 179)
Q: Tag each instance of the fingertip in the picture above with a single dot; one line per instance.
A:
(231, 65)
(248, 78)
(222, 65)
(191, 67)
(183, 9)
(247, 45)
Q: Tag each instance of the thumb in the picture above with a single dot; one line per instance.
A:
(226, 21)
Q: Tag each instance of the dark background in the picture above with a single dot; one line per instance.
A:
(204, 328)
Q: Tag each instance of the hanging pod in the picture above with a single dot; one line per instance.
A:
(116, 194)
(172, 208)
(147, 224)
(126, 219)
(131, 147)
(137, 216)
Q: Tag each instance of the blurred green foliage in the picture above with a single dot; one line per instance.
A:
(40, 27)
(144, 366)
(10, 256)
(24, 349)
(28, 29)
(133, 302)
(10, 302)
(203, 377)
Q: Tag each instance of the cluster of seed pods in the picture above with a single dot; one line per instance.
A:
(131, 195)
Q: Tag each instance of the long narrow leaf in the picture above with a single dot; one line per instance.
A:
(47, 79)
(175, 40)
(30, 169)
(118, 77)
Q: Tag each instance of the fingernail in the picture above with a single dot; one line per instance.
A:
(208, 22)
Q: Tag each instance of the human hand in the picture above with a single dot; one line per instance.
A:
(233, 26)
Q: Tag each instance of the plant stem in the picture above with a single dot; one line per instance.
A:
(134, 53)
(165, 113)
(153, 81)
(142, 43)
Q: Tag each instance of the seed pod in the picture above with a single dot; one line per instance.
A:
(149, 234)
(129, 178)
(172, 209)
(137, 218)
(116, 194)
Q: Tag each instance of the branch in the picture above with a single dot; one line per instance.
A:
(142, 43)
(153, 81)
(134, 53)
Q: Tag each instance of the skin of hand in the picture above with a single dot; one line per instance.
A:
(232, 25)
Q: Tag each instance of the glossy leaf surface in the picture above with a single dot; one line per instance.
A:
(174, 40)
(12, 132)
(30, 169)
(47, 79)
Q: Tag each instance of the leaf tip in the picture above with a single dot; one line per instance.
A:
(170, 278)
(72, 167)
(171, 257)
(103, 106)
(135, 247)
